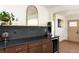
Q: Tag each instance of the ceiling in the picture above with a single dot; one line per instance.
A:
(66, 10)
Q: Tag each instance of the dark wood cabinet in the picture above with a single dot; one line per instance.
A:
(24, 51)
(17, 49)
(35, 47)
(46, 46)
(2, 50)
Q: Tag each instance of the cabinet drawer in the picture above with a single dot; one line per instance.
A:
(47, 46)
(2, 50)
(46, 41)
(16, 48)
(35, 47)
(35, 43)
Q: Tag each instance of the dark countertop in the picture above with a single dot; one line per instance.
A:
(15, 42)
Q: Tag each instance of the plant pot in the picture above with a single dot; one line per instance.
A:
(4, 23)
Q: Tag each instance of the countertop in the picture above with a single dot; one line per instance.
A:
(55, 37)
(15, 42)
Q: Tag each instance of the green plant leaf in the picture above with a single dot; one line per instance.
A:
(6, 16)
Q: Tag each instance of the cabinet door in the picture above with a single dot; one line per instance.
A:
(47, 46)
(2, 50)
(35, 47)
(16, 49)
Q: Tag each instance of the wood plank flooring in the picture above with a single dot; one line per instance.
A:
(68, 47)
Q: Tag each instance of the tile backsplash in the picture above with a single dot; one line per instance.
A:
(18, 32)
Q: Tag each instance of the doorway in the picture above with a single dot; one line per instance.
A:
(73, 30)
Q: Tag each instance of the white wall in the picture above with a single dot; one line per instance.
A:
(72, 17)
(20, 13)
(43, 15)
(52, 20)
(62, 32)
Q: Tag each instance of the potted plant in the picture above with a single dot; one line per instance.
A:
(6, 18)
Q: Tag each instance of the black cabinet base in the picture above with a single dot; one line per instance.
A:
(55, 41)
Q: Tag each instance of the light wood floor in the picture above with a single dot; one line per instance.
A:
(68, 47)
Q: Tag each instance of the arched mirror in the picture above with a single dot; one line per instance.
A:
(32, 16)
